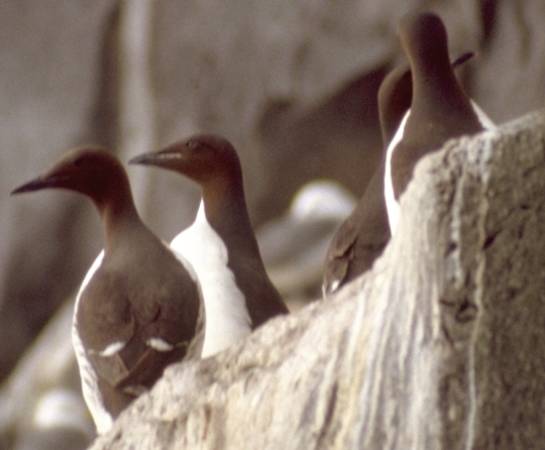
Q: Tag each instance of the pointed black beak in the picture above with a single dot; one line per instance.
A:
(37, 184)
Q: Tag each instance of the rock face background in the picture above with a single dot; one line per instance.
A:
(292, 85)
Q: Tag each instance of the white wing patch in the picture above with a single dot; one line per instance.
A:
(159, 344)
(112, 349)
(392, 205)
(89, 386)
(226, 317)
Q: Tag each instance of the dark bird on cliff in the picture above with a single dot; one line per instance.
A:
(220, 244)
(362, 237)
(139, 307)
(439, 110)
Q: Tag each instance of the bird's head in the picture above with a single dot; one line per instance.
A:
(424, 39)
(90, 171)
(203, 158)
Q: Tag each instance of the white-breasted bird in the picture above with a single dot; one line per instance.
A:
(220, 244)
(439, 110)
(139, 308)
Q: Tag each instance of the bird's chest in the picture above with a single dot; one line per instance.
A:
(227, 318)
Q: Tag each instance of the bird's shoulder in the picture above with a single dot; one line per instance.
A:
(130, 315)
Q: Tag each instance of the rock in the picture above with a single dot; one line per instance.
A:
(440, 345)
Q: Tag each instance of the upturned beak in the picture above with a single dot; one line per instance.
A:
(42, 182)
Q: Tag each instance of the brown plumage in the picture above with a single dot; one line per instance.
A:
(138, 309)
(212, 162)
(362, 237)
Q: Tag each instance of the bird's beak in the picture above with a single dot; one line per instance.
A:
(144, 159)
(42, 182)
(161, 158)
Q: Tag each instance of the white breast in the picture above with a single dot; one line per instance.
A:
(89, 386)
(227, 320)
(392, 205)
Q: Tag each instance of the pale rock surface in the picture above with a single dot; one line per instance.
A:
(440, 345)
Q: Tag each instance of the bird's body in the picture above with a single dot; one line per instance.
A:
(138, 308)
(221, 244)
(228, 320)
(362, 237)
(439, 109)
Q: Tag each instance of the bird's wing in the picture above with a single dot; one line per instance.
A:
(340, 255)
(131, 334)
(359, 240)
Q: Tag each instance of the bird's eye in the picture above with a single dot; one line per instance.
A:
(78, 162)
(81, 161)
(192, 144)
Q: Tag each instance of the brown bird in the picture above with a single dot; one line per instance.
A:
(139, 308)
(362, 237)
(221, 244)
(439, 110)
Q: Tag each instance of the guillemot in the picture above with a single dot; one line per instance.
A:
(220, 244)
(439, 109)
(362, 237)
(139, 308)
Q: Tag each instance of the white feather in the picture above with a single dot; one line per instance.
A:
(226, 317)
(159, 344)
(392, 205)
(112, 349)
(89, 386)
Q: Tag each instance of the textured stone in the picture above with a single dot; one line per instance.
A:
(440, 345)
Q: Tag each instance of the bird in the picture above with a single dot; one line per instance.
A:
(139, 307)
(220, 243)
(362, 237)
(439, 108)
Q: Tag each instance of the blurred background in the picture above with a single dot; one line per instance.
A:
(293, 86)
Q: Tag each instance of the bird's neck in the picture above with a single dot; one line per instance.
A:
(119, 217)
(224, 207)
(437, 81)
